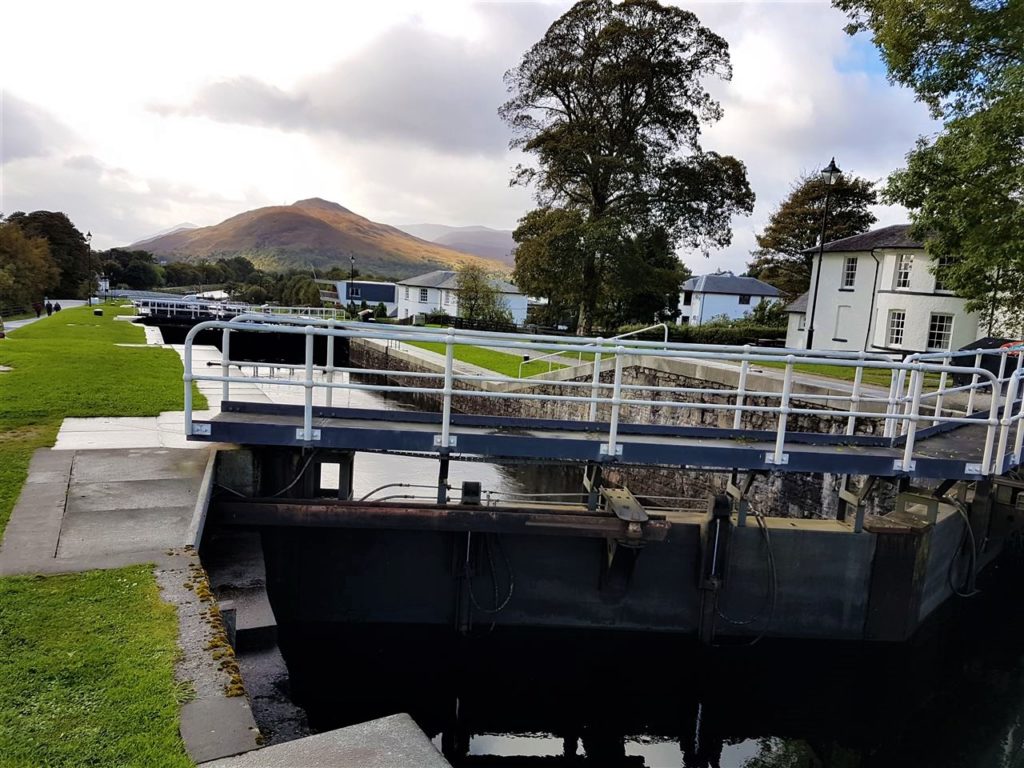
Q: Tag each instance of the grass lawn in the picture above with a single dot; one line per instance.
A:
(86, 660)
(876, 376)
(69, 365)
(500, 362)
(86, 672)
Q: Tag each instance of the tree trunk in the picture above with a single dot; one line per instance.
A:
(585, 325)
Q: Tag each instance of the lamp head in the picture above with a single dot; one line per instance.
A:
(831, 173)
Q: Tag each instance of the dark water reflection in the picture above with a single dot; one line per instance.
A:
(952, 699)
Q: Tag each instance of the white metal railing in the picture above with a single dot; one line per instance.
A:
(918, 394)
(197, 308)
(579, 357)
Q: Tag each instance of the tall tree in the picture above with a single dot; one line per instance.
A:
(781, 259)
(611, 102)
(479, 296)
(68, 248)
(965, 186)
(26, 268)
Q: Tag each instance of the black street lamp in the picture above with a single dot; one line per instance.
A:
(830, 174)
(351, 280)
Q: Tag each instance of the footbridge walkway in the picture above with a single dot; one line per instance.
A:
(944, 415)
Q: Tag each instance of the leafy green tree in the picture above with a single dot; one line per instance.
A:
(26, 269)
(380, 312)
(610, 102)
(182, 273)
(795, 226)
(645, 283)
(68, 249)
(550, 259)
(965, 186)
(768, 313)
(479, 296)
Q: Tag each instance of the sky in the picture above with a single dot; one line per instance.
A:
(133, 119)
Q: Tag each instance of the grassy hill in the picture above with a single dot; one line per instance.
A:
(313, 233)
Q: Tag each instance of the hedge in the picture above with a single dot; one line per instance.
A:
(736, 335)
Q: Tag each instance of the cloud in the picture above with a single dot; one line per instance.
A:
(409, 86)
(27, 130)
(117, 206)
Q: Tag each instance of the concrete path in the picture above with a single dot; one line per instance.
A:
(102, 508)
(10, 325)
(390, 742)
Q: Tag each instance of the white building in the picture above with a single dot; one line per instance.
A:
(877, 293)
(438, 291)
(341, 293)
(708, 297)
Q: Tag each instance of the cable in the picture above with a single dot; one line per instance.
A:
(400, 485)
(298, 476)
(772, 592)
(973, 562)
(499, 604)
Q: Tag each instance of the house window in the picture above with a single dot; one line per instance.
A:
(897, 319)
(801, 323)
(354, 292)
(940, 331)
(744, 298)
(843, 312)
(406, 292)
(903, 267)
(447, 298)
(849, 271)
(945, 262)
(687, 298)
(423, 295)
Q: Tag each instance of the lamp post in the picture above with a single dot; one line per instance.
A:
(88, 244)
(830, 174)
(351, 279)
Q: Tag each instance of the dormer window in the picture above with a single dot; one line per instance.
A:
(904, 265)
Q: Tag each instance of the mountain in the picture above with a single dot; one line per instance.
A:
(169, 231)
(481, 241)
(313, 233)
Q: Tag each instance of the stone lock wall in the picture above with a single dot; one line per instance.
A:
(777, 494)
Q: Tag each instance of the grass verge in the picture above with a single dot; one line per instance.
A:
(70, 365)
(86, 672)
(499, 362)
(86, 660)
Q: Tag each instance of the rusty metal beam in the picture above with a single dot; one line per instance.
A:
(432, 517)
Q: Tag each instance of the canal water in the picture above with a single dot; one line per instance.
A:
(953, 698)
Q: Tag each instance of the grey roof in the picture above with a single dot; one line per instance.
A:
(799, 304)
(447, 278)
(727, 282)
(896, 236)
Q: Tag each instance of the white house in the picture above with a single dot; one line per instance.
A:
(877, 293)
(709, 296)
(344, 292)
(438, 291)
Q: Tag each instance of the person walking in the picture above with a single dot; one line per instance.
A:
(56, 307)
(49, 309)
(37, 307)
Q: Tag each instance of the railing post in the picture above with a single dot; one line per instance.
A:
(449, 371)
(890, 405)
(595, 383)
(307, 414)
(188, 385)
(1004, 426)
(1018, 444)
(912, 414)
(908, 401)
(946, 360)
(974, 385)
(778, 457)
(225, 364)
(613, 424)
(329, 397)
(741, 389)
(858, 377)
